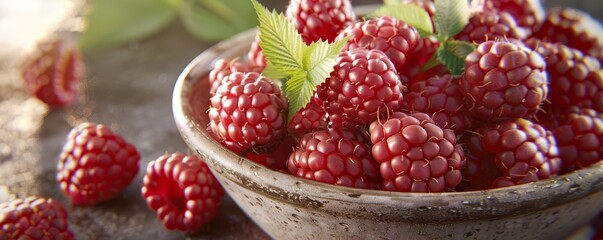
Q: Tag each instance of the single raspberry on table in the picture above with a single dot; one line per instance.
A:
(491, 25)
(392, 36)
(440, 97)
(53, 72)
(573, 28)
(34, 218)
(248, 111)
(96, 164)
(363, 86)
(182, 190)
(223, 68)
(320, 19)
(574, 79)
(415, 155)
(528, 14)
(503, 80)
(579, 138)
(508, 153)
(339, 156)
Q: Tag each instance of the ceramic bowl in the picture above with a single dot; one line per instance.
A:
(288, 207)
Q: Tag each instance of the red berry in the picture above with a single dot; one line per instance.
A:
(416, 155)
(53, 72)
(509, 153)
(491, 25)
(579, 138)
(575, 79)
(337, 156)
(427, 5)
(248, 111)
(311, 117)
(573, 28)
(183, 191)
(224, 67)
(503, 80)
(528, 14)
(320, 19)
(34, 218)
(96, 164)
(392, 36)
(362, 87)
(255, 56)
(440, 97)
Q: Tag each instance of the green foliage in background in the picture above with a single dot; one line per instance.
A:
(115, 22)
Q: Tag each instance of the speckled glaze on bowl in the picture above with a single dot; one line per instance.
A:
(288, 207)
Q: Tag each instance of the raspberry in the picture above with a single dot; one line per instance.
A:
(337, 156)
(415, 155)
(224, 67)
(255, 55)
(509, 153)
(392, 36)
(183, 191)
(490, 25)
(573, 28)
(579, 138)
(575, 79)
(95, 164)
(33, 218)
(311, 117)
(362, 86)
(420, 55)
(53, 72)
(320, 19)
(528, 14)
(503, 80)
(427, 5)
(440, 97)
(248, 111)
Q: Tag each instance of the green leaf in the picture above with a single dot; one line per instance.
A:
(299, 92)
(274, 74)
(281, 44)
(412, 14)
(453, 53)
(304, 66)
(450, 17)
(115, 22)
(214, 20)
(320, 58)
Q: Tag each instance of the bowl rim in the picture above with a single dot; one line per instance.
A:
(560, 189)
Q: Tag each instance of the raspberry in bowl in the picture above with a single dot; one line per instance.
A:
(288, 206)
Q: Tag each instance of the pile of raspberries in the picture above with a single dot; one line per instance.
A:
(528, 105)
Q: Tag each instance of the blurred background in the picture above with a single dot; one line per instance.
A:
(134, 51)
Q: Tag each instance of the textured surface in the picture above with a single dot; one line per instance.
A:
(128, 88)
